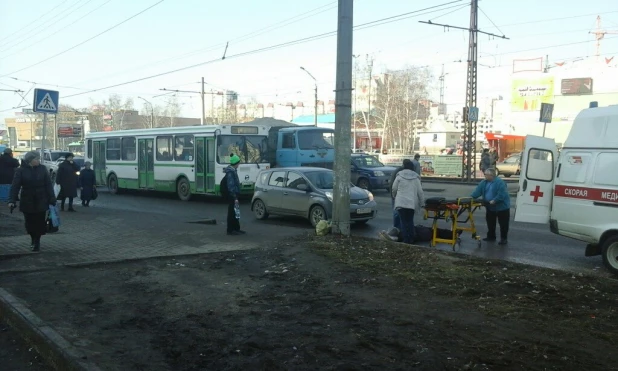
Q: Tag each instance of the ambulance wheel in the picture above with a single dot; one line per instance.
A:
(610, 253)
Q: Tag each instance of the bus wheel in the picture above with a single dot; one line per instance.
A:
(183, 188)
(610, 253)
(112, 184)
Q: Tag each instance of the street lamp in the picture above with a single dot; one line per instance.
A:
(151, 112)
(315, 122)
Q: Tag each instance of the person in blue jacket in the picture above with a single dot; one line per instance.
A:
(497, 202)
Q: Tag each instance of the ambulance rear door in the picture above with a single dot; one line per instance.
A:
(536, 181)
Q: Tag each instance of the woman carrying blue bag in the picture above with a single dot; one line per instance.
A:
(37, 195)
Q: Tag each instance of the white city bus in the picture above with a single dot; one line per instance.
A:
(186, 160)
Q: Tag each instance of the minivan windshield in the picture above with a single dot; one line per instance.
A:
(321, 179)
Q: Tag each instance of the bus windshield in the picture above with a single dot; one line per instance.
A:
(252, 149)
(315, 139)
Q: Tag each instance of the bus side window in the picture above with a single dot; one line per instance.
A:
(288, 141)
(128, 149)
(89, 149)
(183, 148)
(164, 148)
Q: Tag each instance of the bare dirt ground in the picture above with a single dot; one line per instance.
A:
(330, 304)
(15, 355)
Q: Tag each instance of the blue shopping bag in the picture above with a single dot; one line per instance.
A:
(54, 217)
(4, 192)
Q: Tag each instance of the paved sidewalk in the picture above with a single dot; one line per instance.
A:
(101, 234)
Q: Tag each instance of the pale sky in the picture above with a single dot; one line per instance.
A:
(179, 33)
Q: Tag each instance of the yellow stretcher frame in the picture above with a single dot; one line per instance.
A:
(452, 211)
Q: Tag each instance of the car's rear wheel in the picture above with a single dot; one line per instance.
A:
(259, 210)
(316, 214)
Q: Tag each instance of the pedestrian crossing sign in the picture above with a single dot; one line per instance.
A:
(547, 111)
(46, 101)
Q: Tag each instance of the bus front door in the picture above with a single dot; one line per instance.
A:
(205, 165)
(98, 162)
(145, 165)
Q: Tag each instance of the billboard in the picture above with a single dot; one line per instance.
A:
(528, 94)
(69, 131)
(579, 86)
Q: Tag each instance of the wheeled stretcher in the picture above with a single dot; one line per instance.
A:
(458, 212)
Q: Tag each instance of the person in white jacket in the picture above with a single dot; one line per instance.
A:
(408, 194)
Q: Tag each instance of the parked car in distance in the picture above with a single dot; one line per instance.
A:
(306, 192)
(369, 173)
(510, 166)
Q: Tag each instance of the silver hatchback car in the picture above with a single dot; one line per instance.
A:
(306, 192)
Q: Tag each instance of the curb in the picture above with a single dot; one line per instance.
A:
(52, 347)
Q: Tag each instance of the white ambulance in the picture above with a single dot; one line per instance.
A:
(576, 192)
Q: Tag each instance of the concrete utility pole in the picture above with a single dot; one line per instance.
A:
(203, 121)
(470, 121)
(343, 108)
(315, 103)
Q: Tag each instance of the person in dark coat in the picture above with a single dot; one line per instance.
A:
(8, 165)
(68, 180)
(37, 193)
(233, 188)
(87, 183)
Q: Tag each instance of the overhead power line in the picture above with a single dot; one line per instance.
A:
(375, 23)
(47, 36)
(87, 40)
(34, 21)
(308, 14)
(40, 27)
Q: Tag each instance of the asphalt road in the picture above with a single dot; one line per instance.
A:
(528, 243)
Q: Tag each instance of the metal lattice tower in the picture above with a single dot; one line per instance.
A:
(469, 157)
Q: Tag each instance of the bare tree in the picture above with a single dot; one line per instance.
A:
(172, 110)
(109, 112)
(401, 105)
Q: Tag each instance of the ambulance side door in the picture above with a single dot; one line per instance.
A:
(536, 181)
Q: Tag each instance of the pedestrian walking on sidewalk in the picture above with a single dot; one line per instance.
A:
(87, 184)
(409, 197)
(68, 180)
(396, 221)
(417, 164)
(37, 194)
(8, 166)
(497, 202)
(232, 193)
